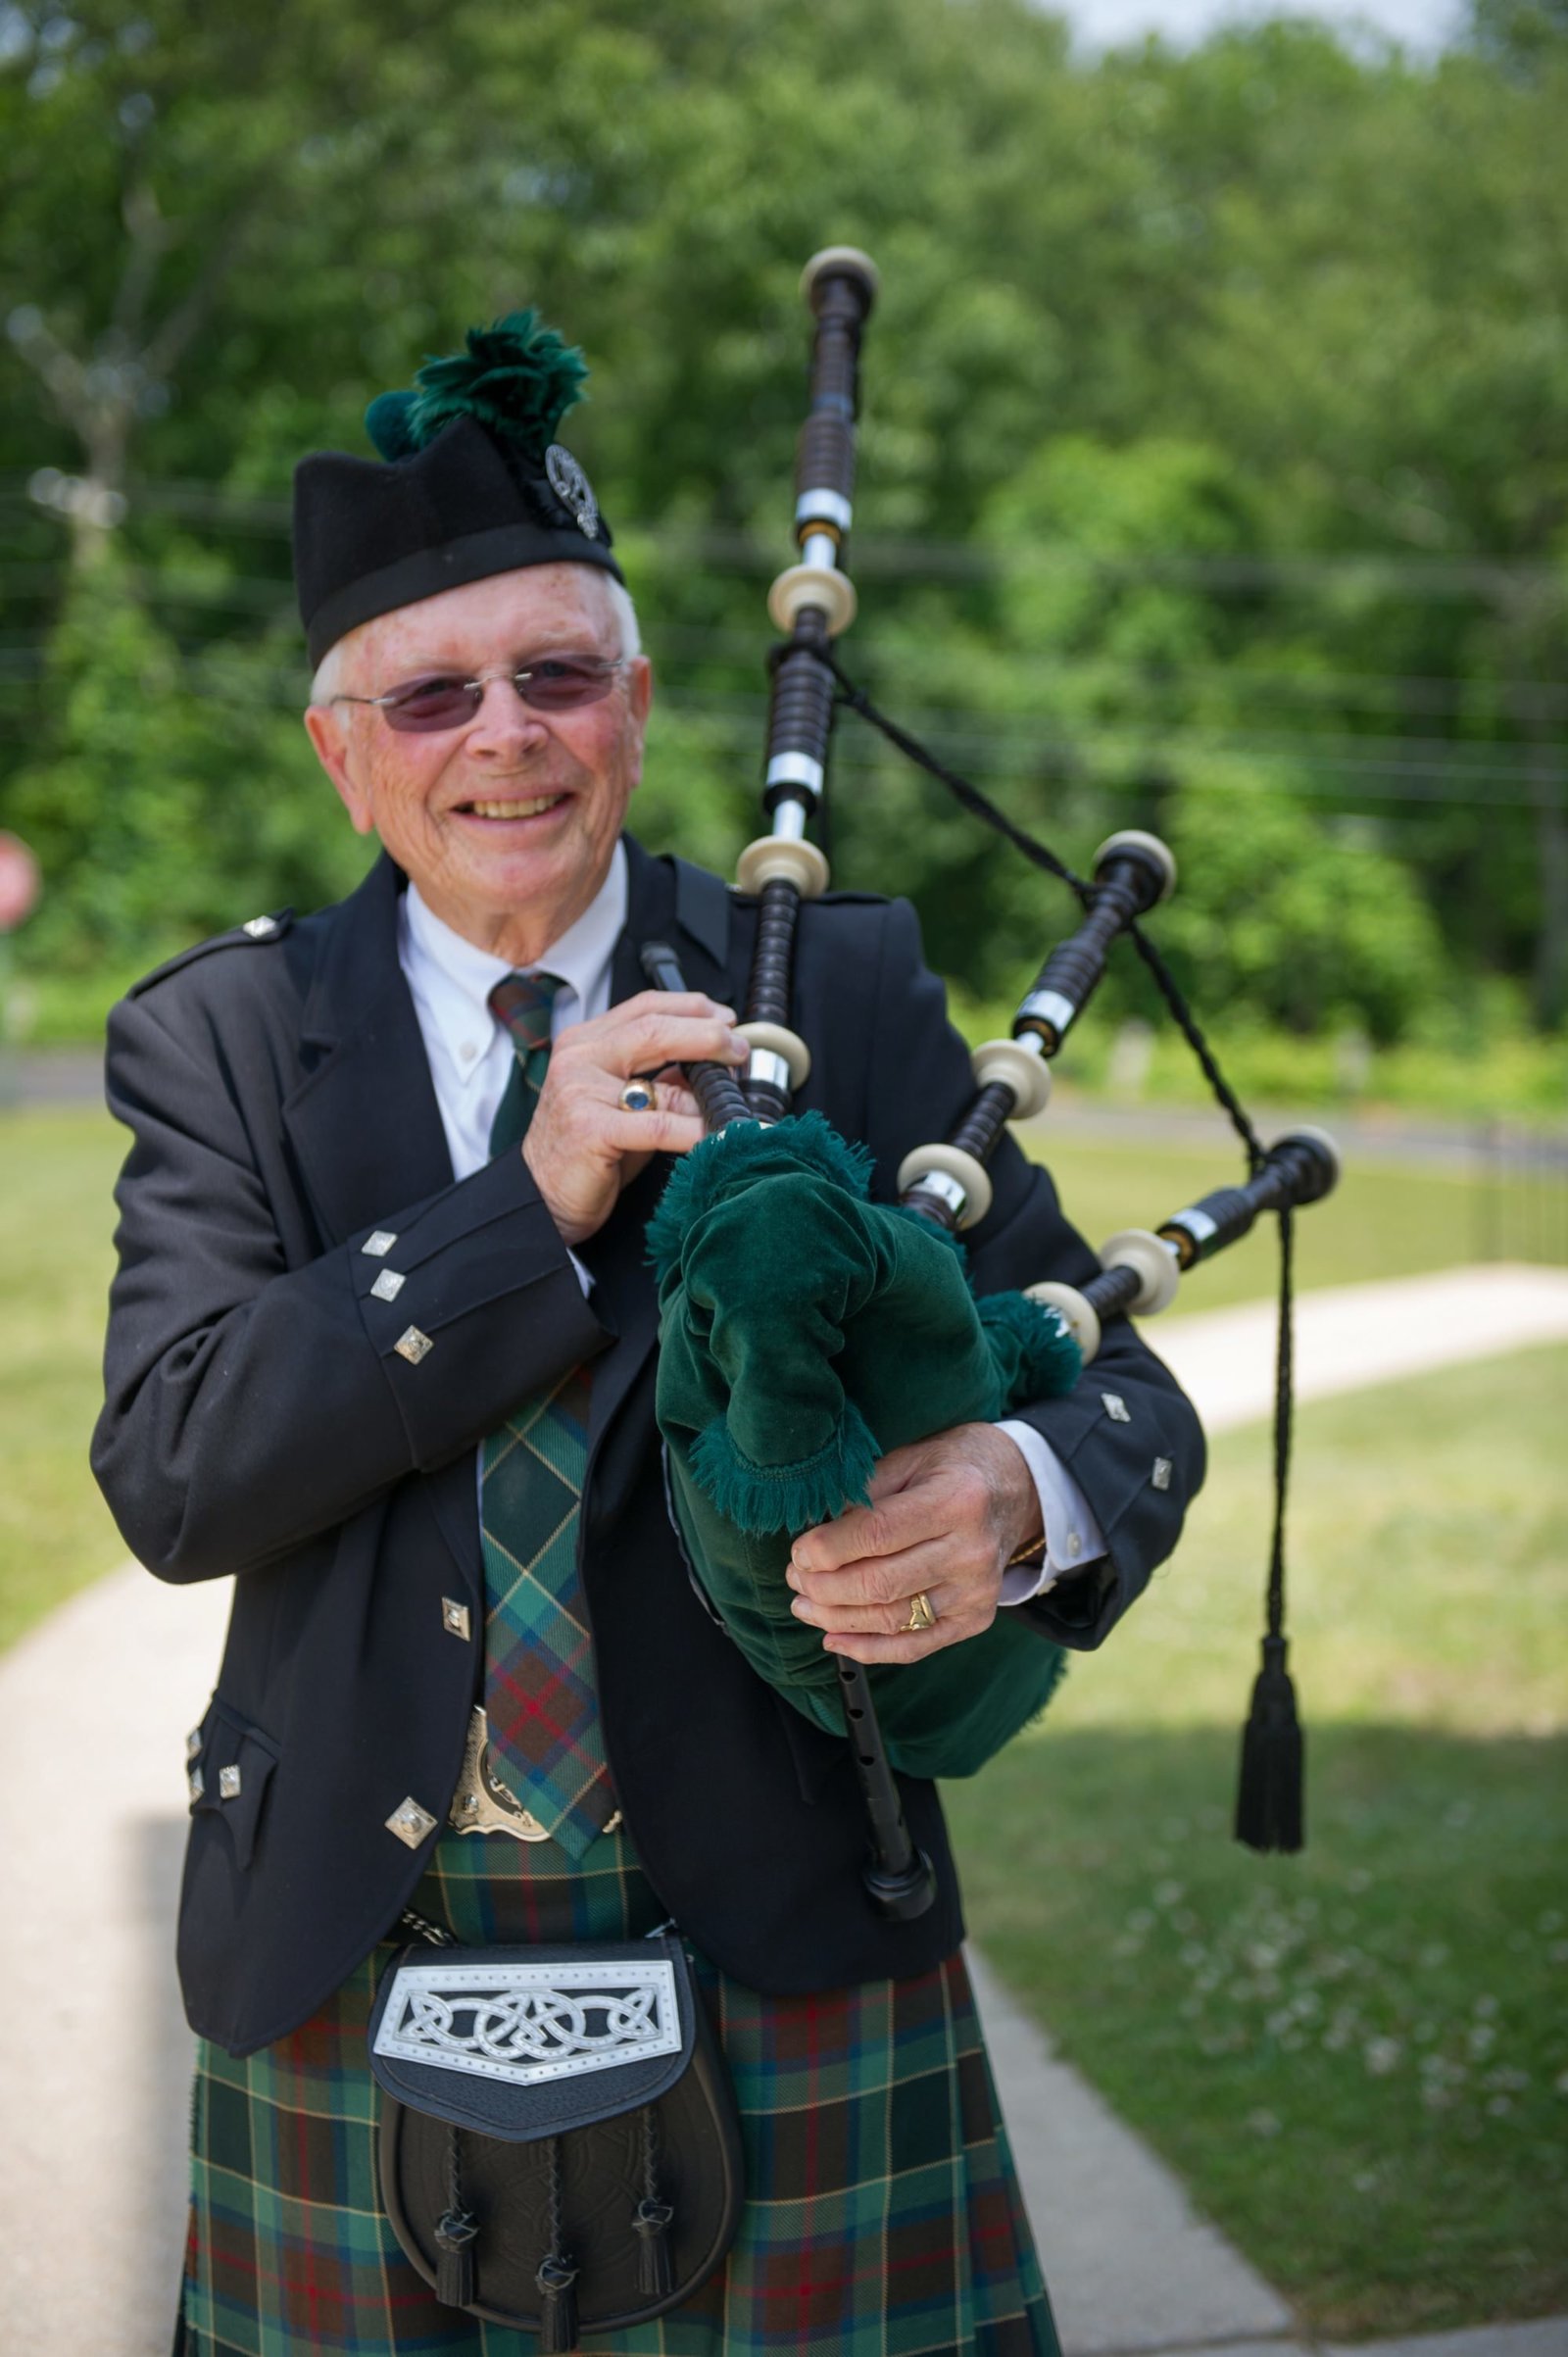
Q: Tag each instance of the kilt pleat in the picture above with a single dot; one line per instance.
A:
(883, 2217)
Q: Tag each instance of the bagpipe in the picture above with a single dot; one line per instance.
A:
(807, 1329)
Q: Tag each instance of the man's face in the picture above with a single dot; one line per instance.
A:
(510, 817)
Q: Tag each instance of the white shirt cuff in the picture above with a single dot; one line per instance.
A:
(585, 1276)
(1073, 1538)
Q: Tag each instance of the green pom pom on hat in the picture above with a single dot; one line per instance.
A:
(517, 377)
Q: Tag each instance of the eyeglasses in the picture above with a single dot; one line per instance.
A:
(561, 683)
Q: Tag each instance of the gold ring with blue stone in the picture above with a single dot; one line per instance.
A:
(637, 1097)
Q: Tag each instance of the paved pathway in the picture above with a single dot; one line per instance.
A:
(94, 2056)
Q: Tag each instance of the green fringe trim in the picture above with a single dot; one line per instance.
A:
(760, 1498)
(1058, 1671)
(1050, 1361)
(723, 1164)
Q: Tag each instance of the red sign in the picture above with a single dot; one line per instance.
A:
(19, 881)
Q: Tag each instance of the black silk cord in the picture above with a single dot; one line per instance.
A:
(1040, 855)
(1284, 1403)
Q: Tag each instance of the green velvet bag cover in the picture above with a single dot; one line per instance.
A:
(804, 1332)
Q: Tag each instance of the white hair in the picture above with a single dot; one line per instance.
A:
(329, 671)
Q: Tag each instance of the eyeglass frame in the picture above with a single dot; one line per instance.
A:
(601, 666)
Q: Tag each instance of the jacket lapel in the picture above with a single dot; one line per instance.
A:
(367, 1130)
(661, 904)
(363, 1122)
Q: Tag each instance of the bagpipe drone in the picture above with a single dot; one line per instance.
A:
(807, 1330)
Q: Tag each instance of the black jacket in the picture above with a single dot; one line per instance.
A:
(259, 1421)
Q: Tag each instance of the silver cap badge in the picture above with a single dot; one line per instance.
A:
(572, 488)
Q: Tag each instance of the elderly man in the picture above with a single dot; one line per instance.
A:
(381, 1344)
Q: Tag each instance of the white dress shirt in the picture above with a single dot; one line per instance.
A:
(471, 1055)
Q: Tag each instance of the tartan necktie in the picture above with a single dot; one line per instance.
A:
(521, 1005)
(540, 1692)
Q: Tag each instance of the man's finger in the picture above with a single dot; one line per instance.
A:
(885, 1620)
(655, 1130)
(881, 1579)
(883, 1529)
(872, 1649)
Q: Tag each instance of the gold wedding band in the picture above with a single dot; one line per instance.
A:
(637, 1097)
(921, 1615)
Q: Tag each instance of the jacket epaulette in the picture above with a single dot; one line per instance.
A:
(257, 932)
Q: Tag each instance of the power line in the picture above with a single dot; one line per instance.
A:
(1420, 578)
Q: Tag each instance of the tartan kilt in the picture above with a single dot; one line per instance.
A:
(882, 2218)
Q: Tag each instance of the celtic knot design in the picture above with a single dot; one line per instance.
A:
(529, 2022)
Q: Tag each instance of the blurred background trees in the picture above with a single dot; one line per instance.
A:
(1214, 470)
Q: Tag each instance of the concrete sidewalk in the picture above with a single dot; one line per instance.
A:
(1349, 1337)
(94, 2056)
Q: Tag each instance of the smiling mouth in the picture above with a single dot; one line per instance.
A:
(533, 808)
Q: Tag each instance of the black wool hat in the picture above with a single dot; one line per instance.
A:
(470, 481)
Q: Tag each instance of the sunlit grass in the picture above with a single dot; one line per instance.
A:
(1357, 2058)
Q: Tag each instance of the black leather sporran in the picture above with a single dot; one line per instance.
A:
(560, 2150)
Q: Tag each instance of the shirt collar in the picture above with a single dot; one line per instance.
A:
(454, 977)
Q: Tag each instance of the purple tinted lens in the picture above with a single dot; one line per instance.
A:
(555, 687)
(431, 703)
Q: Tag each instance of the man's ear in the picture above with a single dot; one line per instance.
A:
(640, 692)
(330, 740)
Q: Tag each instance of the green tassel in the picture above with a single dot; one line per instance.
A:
(760, 1498)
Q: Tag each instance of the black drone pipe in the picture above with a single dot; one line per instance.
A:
(947, 1184)
(1141, 1269)
(811, 602)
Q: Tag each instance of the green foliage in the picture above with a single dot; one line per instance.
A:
(1278, 918)
(1131, 426)
(168, 795)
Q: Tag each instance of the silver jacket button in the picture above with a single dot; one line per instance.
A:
(410, 1822)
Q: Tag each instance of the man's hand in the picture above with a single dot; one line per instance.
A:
(581, 1147)
(944, 1517)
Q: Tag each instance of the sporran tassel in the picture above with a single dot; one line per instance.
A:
(556, 2276)
(455, 2234)
(655, 2275)
(456, 2231)
(654, 2218)
(557, 2313)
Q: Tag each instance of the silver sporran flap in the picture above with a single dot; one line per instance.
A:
(527, 2022)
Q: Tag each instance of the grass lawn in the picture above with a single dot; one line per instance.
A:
(1358, 2058)
(56, 1170)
